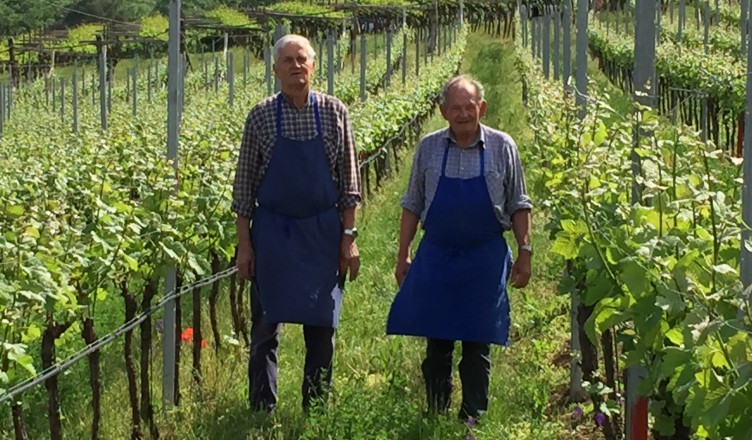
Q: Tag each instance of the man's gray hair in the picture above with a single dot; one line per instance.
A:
(293, 38)
(479, 91)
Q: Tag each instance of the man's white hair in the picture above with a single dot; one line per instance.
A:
(479, 91)
(293, 38)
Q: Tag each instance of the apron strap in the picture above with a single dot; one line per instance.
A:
(481, 153)
(279, 116)
(482, 161)
(444, 161)
(315, 103)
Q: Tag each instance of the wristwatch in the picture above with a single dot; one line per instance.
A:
(527, 247)
(351, 232)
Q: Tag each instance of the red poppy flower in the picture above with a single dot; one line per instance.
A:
(204, 343)
(187, 335)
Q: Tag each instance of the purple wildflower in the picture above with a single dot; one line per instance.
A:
(600, 418)
(469, 437)
(578, 412)
(470, 421)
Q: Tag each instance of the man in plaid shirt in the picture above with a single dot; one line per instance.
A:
(296, 189)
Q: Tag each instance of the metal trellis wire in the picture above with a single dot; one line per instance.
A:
(111, 337)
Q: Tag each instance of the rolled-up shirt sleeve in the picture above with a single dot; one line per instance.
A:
(414, 198)
(350, 189)
(516, 197)
(244, 188)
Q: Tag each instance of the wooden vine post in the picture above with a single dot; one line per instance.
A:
(12, 63)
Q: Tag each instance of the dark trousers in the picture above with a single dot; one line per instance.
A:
(475, 373)
(262, 365)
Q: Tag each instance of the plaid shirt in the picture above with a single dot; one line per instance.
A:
(504, 174)
(259, 137)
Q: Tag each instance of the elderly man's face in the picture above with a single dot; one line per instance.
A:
(294, 67)
(462, 109)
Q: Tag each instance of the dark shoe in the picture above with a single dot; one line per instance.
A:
(263, 408)
(432, 413)
(470, 418)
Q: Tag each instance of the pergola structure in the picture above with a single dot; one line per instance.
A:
(126, 40)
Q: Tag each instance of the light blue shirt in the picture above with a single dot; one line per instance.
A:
(504, 174)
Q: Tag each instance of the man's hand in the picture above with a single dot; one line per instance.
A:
(246, 261)
(400, 272)
(521, 270)
(349, 257)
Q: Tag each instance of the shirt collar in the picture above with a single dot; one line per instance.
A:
(480, 140)
(288, 102)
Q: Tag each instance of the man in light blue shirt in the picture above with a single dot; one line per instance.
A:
(466, 188)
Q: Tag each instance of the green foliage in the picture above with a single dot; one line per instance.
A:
(80, 34)
(291, 7)
(349, 85)
(663, 274)
(17, 16)
(155, 26)
(383, 118)
(229, 17)
(396, 3)
(731, 14)
(720, 39)
(128, 11)
(722, 76)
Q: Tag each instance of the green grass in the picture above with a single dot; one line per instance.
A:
(378, 388)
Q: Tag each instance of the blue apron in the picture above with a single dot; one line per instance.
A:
(296, 232)
(456, 286)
